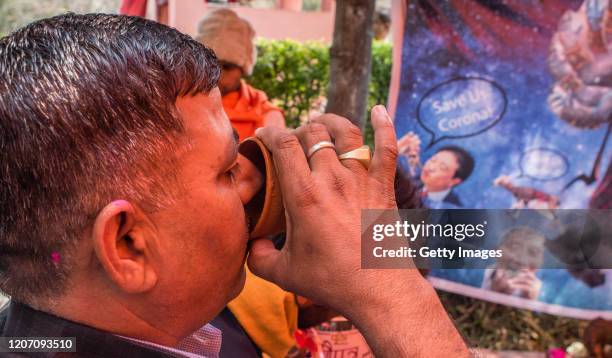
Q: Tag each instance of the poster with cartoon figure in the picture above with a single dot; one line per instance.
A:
(509, 105)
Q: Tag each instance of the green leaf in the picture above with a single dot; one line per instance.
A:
(294, 74)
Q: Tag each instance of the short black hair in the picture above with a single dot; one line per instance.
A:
(87, 116)
(464, 159)
(406, 192)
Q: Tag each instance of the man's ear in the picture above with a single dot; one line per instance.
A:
(455, 181)
(122, 245)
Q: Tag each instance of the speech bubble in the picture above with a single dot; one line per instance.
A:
(461, 107)
(543, 164)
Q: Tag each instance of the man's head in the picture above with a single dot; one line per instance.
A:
(231, 38)
(450, 166)
(523, 248)
(118, 172)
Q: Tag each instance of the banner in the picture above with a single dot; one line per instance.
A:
(508, 105)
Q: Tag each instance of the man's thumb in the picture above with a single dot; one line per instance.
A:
(265, 261)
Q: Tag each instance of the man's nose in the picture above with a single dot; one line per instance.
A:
(249, 180)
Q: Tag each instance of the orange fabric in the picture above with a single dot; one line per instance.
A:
(246, 109)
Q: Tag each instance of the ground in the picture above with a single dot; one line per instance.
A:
(499, 327)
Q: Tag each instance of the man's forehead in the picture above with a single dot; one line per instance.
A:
(447, 155)
(200, 103)
(207, 126)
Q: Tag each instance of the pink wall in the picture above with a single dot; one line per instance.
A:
(268, 23)
(398, 16)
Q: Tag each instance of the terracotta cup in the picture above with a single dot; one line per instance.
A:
(266, 209)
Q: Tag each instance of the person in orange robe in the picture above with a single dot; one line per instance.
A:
(232, 39)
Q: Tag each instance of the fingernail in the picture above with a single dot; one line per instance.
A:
(257, 131)
(386, 113)
(377, 110)
(382, 111)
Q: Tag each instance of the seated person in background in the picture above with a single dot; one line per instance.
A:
(122, 216)
(515, 272)
(449, 167)
(232, 40)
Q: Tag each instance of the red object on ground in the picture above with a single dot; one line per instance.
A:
(133, 7)
(304, 339)
(556, 353)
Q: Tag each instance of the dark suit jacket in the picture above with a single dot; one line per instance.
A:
(19, 320)
(236, 342)
(452, 198)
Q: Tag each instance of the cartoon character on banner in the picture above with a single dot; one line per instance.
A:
(580, 60)
(461, 107)
(515, 272)
(538, 164)
(446, 169)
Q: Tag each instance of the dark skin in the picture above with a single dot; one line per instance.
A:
(230, 78)
(229, 81)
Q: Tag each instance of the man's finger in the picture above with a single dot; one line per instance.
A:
(405, 140)
(346, 136)
(316, 134)
(385, 145)
(265, 260)
(289, 159)
(523, 281)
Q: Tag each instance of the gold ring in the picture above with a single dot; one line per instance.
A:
(319, 146)
(361, 154)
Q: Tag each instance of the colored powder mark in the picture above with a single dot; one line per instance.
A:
(55, 257)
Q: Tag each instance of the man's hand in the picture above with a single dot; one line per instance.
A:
(274, 119)
(526, 283)
(410, 147)
(323, 198)
(503, 180)
(500, 282)
(397, 310)
(410, 144)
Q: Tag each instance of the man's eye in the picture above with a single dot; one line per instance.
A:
(233, 172)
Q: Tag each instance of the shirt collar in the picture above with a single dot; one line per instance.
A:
(438, 195)
(203, 343)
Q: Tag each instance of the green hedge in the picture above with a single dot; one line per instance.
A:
(295, 74)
